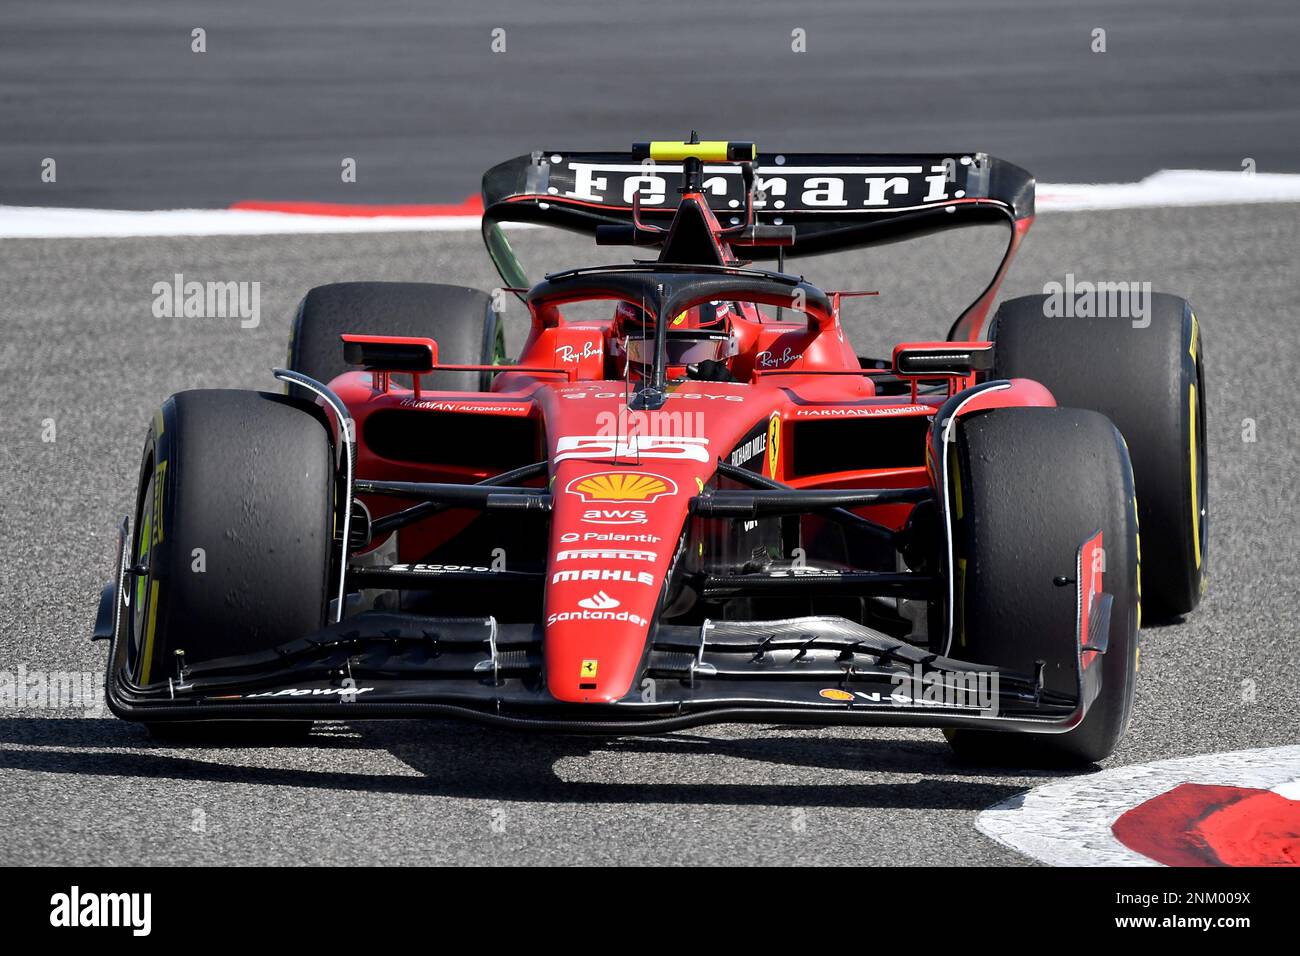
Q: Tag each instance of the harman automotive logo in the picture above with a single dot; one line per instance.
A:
(76, 909)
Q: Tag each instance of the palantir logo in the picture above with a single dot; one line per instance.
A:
(76, 909)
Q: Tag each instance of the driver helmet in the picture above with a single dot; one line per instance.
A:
(700, 333)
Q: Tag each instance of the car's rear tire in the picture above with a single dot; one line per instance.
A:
(460, 319)
(1030, 485)
(233, 530)
(1148, 380)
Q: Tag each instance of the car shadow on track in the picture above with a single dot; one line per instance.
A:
(471, 762)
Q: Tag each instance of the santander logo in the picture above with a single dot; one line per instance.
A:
(600, 601)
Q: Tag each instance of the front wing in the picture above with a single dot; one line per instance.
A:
(810, 670)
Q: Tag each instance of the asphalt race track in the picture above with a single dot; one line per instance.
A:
(84, 362)
(413, 91)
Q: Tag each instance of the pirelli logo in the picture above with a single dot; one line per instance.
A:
(604, 554)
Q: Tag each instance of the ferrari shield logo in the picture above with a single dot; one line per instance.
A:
(773, 443)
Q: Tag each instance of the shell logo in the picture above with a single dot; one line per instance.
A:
(622, 486)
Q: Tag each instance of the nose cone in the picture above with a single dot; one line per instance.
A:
(614, 530)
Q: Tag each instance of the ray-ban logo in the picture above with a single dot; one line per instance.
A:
(77, 909)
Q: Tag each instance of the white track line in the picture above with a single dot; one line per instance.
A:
(1170, 187)
(39, 222)
(1068, 823)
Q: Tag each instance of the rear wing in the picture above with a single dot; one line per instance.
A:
(834, 200)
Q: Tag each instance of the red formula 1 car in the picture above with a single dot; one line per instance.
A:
(689, 500)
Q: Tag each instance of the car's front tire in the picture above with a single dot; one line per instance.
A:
(1029, 486)
(232, 538)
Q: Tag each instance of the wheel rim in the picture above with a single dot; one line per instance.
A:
(140, 583)
(1198, 461)
(1201, 465)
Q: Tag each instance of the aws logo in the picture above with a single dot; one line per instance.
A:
(615, 516)
(618, 486)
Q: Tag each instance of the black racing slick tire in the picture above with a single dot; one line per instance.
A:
(233, 530)
(460, 319)
(1029, 486)
(1148, 378)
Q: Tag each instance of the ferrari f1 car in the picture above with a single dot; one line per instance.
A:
(689, 500)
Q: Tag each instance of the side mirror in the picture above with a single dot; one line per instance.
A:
(941, 359)
(390, 353)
